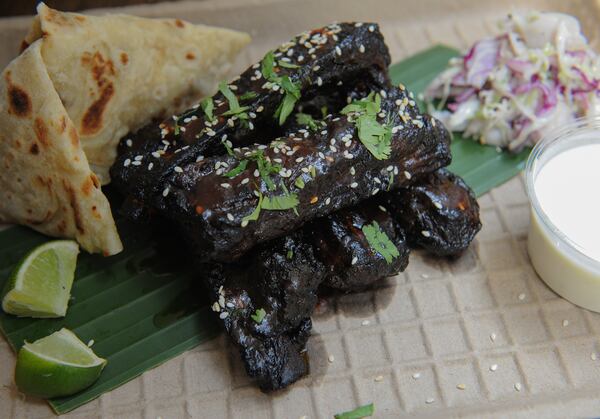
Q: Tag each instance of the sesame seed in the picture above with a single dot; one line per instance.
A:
(316, 68)
(361, 48)
(319, 81)
(416, 375)
(178, 169)
(426, 233)
(382, 208)
(314, 199)
(437, 205)
(347, 155)
(223, 315)
(352, 171)
(327, 201)
(230, 216)
(518, 386)
(375, 191)
(379, 378)
(216, 307)
(260, 109)
(332, 148)
(222, 300)
(225, 185)
(230, 305)
(299, 159)
(199, 158)
(354, 185)
(244, 181)
(165, 192)
(354, 260)
(156, 154)
(461, 386)
(129, 143)
(136, 163)
(126, 163)
(565, 323)
(493, 367)
(256, 173)
(521, 297)
(371, 28)
(358, 24)
(244, 223)
(150, 166)
(407, 175)
(331, 358)
(338, 50)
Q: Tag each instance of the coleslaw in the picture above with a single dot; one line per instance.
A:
(507, 91)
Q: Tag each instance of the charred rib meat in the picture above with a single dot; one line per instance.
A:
(257, 102)
(226, 205)
(439, 213)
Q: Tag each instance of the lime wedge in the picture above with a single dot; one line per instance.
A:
(40, 285)
(57, 365)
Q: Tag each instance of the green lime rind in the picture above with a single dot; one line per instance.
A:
(40, 284)
(57, 365)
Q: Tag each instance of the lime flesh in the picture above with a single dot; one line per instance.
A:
(40, 284)
(57, 365)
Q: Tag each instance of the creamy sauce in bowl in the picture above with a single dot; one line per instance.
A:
(563, 182)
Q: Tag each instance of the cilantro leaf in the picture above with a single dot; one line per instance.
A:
(258, 315)
(253, 216)
(237, 111)
(371, 105)
(266, 65)
(358, 413)
(306, 119)
(237, 170)
(380, 242)
(280, 202)
(290, 254)
(208, 107)
(375, 136)
(229, 95)
(285, 108)
(248, 95)
(299, 182)
(286, 64)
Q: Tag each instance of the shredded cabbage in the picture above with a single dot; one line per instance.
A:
(508, 91)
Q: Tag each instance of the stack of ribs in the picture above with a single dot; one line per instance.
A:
(275, 208)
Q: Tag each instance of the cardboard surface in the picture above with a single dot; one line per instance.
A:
(485, 321)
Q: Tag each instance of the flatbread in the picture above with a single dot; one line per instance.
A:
(45, 179)
(115, 73)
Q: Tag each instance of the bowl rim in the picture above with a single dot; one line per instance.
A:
(533, 165)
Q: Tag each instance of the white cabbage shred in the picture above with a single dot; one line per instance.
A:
(508, 91)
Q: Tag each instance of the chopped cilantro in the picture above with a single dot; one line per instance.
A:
(291, 89)
(324, 111)
(234, 105)
(265, 168)
(286, 64)
(237, 170)
(380, 242)
(266, 65)
(208, 107)
(312, 171)
(390, 180)
(248, 95)
(299, 182)
(376, 137)
(228, 148)
(253, 216)
(259, 315)
(176, 127)
(306, 119)
(290, 254)
(358, 413)
(280, 202)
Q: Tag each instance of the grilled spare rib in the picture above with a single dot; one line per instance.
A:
(439, 213)
(226, 205)
(266, 299)
(251, 107)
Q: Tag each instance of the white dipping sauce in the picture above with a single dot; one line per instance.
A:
(568, 190)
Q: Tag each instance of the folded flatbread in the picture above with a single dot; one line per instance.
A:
(45, 179)
(81, 84)
(114, 73)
